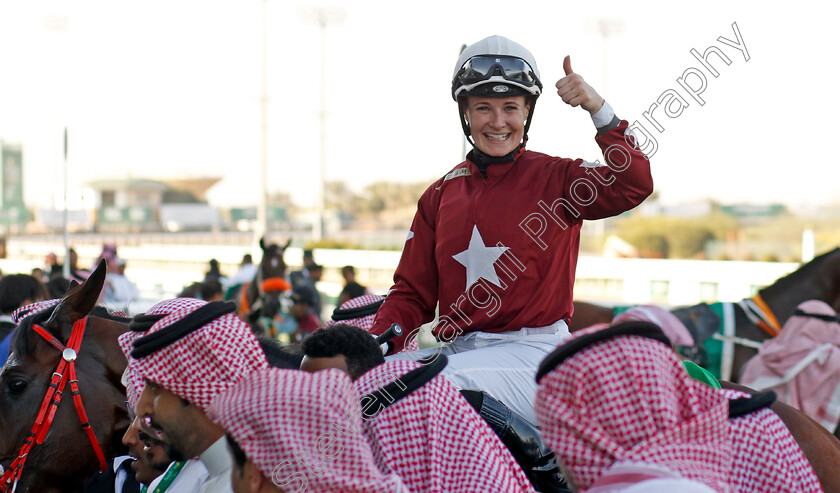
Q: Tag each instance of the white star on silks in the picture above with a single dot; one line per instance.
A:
(479, 260)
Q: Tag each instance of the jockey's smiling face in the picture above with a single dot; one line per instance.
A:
(497, 125)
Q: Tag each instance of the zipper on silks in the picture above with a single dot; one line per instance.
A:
(476, 199)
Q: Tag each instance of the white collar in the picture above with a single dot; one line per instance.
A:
(119, 460)
(216, 458)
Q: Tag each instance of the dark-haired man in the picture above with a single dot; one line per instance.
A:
(16, 290)
(342, 346)
(304, 310)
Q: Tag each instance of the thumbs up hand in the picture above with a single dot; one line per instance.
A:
(567, 65)
(576, 92)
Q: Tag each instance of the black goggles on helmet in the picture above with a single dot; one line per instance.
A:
(482, 67)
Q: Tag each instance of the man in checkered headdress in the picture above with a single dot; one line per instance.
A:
(766, 457)
(644, 411)
(421, 428)
(294, 431)
(184, 476)
(193, 352)
(674, 329)
(802, 364)
(619, 411)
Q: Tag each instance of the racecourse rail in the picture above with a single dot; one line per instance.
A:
(163, 264)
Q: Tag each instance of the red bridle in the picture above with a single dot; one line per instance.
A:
(64, 372)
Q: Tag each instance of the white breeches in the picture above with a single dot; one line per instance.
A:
(502, 364)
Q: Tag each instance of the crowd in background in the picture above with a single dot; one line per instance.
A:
(304, 305)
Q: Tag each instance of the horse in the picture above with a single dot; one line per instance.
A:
(754, 320)
(69, 451)
(259, 301)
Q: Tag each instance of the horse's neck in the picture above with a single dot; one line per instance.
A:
(819, 281)
(783, 298)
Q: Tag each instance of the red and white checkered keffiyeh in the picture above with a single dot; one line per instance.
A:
(673, 328)
(802, 364)
(303, 431)
(366, 321)
(205, 362)
(766, 457)
(628, 398)
(435, 440)
(133, 381)
(32, 309)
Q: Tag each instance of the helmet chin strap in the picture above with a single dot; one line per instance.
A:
(482, 160)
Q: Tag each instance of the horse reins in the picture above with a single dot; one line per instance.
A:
(761, 315)
(65, 372)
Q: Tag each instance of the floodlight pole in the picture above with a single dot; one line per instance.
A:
(261, 228)
(57, 24)
(323, 16)
(607, 28)
(318, 230)
(66, 267)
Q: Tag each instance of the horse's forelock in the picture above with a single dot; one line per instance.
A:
(23, 334)
(272, 249)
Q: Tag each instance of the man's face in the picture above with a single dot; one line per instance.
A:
(150, 454)
(299, 308)
(176, 418)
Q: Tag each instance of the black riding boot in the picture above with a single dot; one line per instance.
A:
(523, 440)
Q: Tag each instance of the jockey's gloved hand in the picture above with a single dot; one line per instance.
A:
(395, 330)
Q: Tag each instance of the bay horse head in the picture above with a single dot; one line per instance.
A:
(66, 456)
(272, 263)
(263, 295)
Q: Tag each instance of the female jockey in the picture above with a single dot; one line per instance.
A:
(494, 243)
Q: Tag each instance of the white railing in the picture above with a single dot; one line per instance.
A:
(162, 264)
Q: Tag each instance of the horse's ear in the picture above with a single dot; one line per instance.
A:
(78, 302)
(73, 284)
(262, 243)
(288, 242)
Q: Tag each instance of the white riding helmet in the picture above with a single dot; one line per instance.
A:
(495, 60)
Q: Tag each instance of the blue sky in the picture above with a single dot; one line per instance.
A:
(171, 89)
